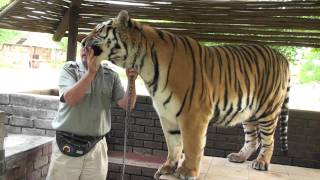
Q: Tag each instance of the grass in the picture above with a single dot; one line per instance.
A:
(6, 66)
(310, 72)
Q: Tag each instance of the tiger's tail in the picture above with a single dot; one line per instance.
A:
(284, 117)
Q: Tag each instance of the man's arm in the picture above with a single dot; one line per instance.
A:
(123, 103)
(74, 94)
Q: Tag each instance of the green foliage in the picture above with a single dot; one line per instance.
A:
(5, 65)
(314, 53)
(63, 44)
(290, 52)
(211, 43)
(310, 69)
(3, 3)
(7, 35)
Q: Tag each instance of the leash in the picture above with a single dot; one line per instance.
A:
(126, 120)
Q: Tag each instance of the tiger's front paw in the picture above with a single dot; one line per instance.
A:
(164, 169)
(236, 157)
(185, 174)
(260, 164)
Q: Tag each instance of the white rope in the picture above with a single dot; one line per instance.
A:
(126, 120)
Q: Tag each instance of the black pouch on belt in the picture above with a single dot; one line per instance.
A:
(75, 145)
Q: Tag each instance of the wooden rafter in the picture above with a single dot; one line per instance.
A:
(62, 27)
(10, 6)
(294, 22)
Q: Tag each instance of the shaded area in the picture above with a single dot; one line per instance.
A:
(269, 22)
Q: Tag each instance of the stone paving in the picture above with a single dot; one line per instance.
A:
(214, 168)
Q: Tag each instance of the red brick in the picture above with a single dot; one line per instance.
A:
(10, 175)
(49, 157)
(29, 167)
(43, 160)
(44, 170)
(47, 149)
(34, 154)
(19, 172)
(35, 175)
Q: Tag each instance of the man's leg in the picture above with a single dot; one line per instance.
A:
(95, 165)
(63, 167)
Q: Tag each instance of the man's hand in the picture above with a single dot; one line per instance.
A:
(92, 64)
(123, 103)
(75, 93)
(131, 73)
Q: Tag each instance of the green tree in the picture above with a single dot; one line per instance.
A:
(4, 2)
(63, 44)
(310, 69)
(7, 35)
(290, 52)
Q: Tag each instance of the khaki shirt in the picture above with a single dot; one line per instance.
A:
(91, 116)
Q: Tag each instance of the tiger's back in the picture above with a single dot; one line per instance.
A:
(231, 83)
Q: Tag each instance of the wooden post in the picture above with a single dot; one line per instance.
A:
(73, 30)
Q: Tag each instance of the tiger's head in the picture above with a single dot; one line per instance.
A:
(114, 40)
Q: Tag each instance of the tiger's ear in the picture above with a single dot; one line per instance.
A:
(123, 19)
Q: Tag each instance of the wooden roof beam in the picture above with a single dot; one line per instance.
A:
(62, 27)
(10, 6)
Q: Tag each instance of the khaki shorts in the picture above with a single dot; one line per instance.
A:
(91, 166)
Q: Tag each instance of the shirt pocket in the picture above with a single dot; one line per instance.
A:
(107, 86)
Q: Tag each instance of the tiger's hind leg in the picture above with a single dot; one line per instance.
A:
(267, 126)
(251, 143)
(172, 136)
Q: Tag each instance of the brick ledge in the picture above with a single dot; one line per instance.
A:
(134, 159)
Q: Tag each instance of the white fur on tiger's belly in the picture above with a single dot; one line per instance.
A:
(168, 111)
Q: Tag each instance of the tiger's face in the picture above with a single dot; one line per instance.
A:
(110, 41)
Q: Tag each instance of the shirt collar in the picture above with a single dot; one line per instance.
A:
(82, 68)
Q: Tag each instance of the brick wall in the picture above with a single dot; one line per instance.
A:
(32, 114)
(32, 164)
(2, 135)
(29, 114)
(146, 137)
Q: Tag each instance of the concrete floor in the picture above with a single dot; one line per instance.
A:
(214, 168)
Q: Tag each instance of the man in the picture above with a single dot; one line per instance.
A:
(86, 90)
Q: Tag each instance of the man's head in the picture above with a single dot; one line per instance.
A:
(85, 52)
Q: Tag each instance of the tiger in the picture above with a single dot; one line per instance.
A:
(192, 85)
